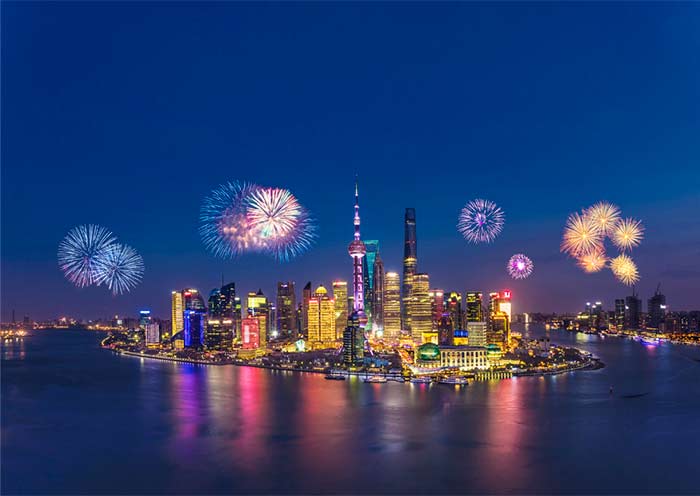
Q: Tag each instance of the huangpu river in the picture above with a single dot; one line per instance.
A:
(77, 419)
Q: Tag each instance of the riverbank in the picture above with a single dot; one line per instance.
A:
(593, 364)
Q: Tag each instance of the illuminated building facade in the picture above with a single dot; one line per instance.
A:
(499, 320)
(258, 308)
(445, 331)
(340, 295)
(477, 333)
(454, 309)
(465, 358)
(437, 305)
(392, 305)
(372, 247)
(176, 315)
(357, 251)
(353, 342)
(321, 318)
(144, 319)
(286, 310)
(420, 311)
(219, 333)
(152, 334)
(410, 263)
(620, 314)
(250, 333)
(475, 304)
(378, 297)
(194, 328)
(231, 307)
(305, 297)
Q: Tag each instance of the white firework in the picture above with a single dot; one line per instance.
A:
(79, 251)
(120, 268)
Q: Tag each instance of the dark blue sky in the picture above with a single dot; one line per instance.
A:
(127, 114)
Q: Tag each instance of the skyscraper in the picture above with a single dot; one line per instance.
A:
(454, 309)
(410, 263)
(353, 341)
(231, 307)
(368, 262)
(258, 307)
(194, 328)
(392, 305)
(321, 318)
(357, 251)
(498, 330)
(656, 307)
(620, 314)
(250, 333)
(340, 295)
(633, 311)
(286, 309)
(176, 316)
(474, 312)
(477, 333)
(420, 310)
(378, 296)
(144, 319)
(437, 305)
(305, 297)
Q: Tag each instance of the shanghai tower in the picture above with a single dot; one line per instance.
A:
(410, 261)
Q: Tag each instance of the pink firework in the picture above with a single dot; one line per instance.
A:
(520, 266)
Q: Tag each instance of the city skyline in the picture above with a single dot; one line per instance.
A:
(128, 172)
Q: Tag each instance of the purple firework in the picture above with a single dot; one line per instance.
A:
(520, 266)
(480, 221)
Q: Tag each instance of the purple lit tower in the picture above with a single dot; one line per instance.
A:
(357, 250)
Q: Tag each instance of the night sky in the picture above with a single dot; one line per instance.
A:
(128, 114)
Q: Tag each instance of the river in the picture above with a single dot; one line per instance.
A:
(79, 419)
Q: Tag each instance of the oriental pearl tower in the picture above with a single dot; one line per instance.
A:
(357, 250)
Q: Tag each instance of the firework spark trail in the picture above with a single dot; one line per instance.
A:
(520, 266)
(224, 225)
(238, 218)
(480, 221)
(297, 241)
(627, 234)
(592, 262)
(581, 236)
(78, 251)
(605, 215)
(273, 212)
(624, 269)
(120, 268)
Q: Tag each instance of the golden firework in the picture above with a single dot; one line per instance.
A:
(624, 269)
(581, 236)
(627, 233)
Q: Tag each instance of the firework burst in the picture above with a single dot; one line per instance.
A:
(120, 268)
(603, 214)
(240, 217)
(79, 250)
(592, 262)
(624, 269)
(581, 236)
(480, 221)
(520, 266)
(627, 234)
(224, 225)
